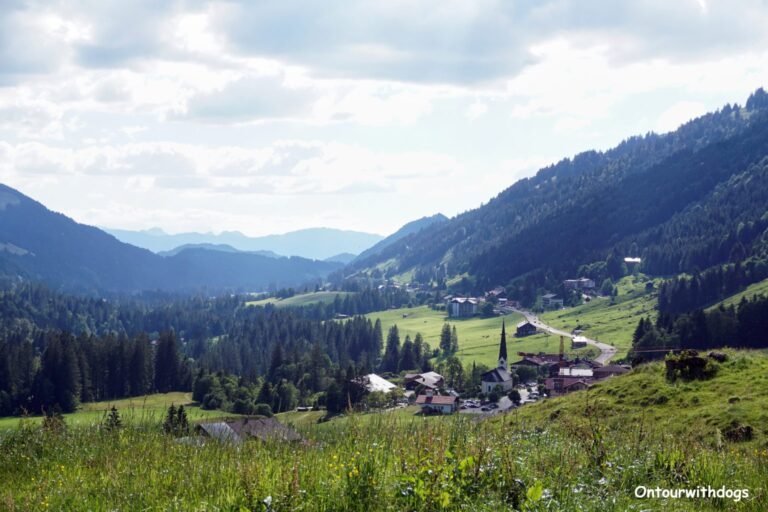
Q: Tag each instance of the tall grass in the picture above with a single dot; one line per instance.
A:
(382, 462)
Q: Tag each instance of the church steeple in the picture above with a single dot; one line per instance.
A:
(503, 347)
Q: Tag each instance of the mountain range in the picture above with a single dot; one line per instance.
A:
(682, 201)
(312, 243)
(40, 245)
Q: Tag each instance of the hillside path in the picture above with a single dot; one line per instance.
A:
(606, 351)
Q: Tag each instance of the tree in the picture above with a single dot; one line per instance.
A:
(514, 396)
(454, 341)
(167, 363)
(112, 420)
(445, 339)
(391, 358)
(408, 359)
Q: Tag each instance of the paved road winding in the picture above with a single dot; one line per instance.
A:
(606, 351)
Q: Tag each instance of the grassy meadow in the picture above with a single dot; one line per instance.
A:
(478, 337)
(760, 288)
(137, 410)
(587, 451)
(610, 322)
(302, 299)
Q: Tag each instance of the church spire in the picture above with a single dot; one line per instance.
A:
(503, 347)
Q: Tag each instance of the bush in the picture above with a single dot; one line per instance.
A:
(689, 365)
(263, 410)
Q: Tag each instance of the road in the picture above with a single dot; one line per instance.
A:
(606, 351)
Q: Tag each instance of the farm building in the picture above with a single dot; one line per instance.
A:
(525, 329)
(579, 342)
(236, 431)
(462, 307)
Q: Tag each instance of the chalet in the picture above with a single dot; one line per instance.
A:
(551, 301)
(578, 342)
(431, 403)
(582, 283)
(499, 376)
(373, 382)
(525, 329)
(428, 380)
(462, 307)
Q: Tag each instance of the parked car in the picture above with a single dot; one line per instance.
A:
(485, 408)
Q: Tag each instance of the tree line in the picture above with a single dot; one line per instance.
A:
(741, 326)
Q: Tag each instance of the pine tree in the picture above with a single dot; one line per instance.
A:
(454, 341)
(392, 351)
(445, 339)
(112, 420)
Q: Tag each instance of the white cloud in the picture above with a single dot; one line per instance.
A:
(678, 114)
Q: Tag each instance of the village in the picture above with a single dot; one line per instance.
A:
(511, 384)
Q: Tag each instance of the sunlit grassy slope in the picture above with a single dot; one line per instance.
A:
(145, 409)
(301, 299)
(760, 288)
(607, 321)
(703, 409)
(478, 337)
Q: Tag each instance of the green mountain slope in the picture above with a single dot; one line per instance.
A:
(635, 199)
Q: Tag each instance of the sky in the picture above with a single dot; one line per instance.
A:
(267, 117)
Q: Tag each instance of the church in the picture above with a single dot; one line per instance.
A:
(499, 376)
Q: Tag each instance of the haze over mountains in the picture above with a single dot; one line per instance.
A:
(313, 243)
(40, 245)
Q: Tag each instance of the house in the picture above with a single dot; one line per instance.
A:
(582, 283)
(462, 307)
(373, 382)
(551, 301)
(579, 342)
(428, 380)
(499, 376)
(525, 329)
(431, 403)
(238, 430)
(630, 261)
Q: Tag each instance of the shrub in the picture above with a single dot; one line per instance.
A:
(263, 410)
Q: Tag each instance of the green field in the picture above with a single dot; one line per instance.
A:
(145, 409)
(612, 323)
(478, 337)
(760, 288)
(301, 299)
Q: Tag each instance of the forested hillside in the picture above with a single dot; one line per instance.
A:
(681, 201)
